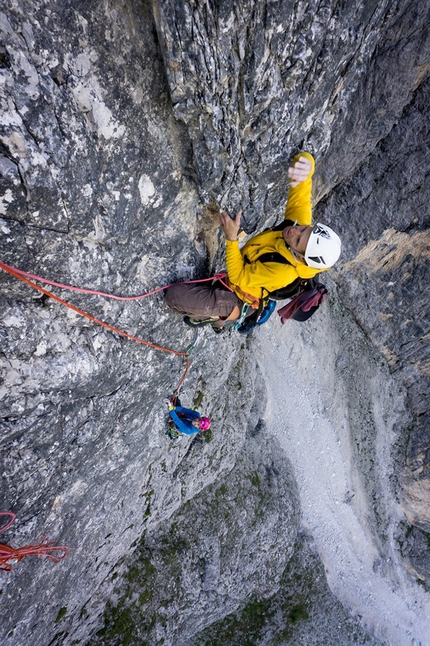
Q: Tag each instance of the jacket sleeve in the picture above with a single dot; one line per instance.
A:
(234, 261)
(299, 204)
(184, 426)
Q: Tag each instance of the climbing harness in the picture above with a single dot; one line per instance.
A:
(258, 317)
(54, 552)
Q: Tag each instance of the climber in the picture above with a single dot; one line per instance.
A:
(185, 421)
(306, 250)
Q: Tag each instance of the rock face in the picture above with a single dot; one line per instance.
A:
(123, 127)
(246, 524)
(385, 284)
(255, 82)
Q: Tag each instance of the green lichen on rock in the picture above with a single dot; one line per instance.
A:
(61, 614)
(195, 558)
(303, 612)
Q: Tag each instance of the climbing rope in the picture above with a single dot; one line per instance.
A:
(54, 552)
(13, 270)
(24, 277)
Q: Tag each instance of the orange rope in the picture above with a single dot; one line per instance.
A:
(54, 552)
(14, 273)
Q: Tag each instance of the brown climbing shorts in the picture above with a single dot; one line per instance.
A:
(201, 300)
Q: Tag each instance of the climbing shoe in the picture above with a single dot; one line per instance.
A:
(195, 323)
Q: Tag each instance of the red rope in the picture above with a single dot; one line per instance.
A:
(12, 271)
(54, 552)
(23, 276)
(219, 276)
(7, 513)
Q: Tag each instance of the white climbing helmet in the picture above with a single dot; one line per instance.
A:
(323, 248)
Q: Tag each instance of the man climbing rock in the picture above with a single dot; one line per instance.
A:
(306, 250)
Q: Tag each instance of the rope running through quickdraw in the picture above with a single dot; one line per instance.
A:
(54, 552)
(24, 277)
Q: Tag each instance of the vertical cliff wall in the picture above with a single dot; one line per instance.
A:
(122, 129)
(254, 82)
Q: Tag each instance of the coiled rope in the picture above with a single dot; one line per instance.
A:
(54, 552)
(24, 277)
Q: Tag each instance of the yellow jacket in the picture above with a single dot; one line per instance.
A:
(250, 279)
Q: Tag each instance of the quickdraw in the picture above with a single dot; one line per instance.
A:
(243, 313)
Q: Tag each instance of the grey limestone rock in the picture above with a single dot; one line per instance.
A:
(184, 575)
(385, 284)
(123, 128)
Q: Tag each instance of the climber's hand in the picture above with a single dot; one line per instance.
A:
(299, 171)
(230, 227)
